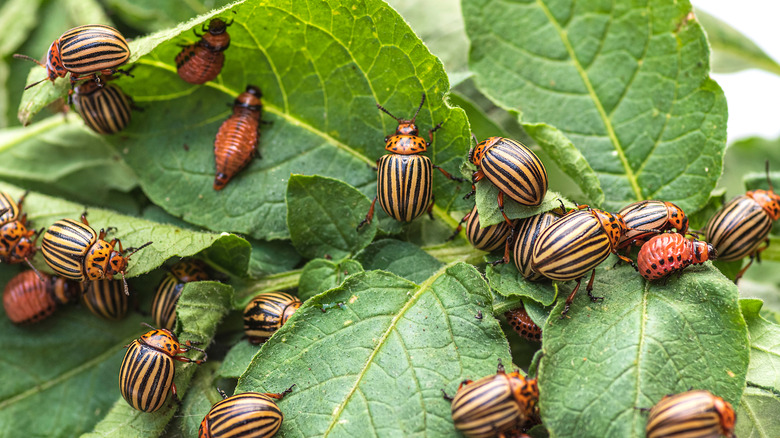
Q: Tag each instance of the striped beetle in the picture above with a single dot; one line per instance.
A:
(105, 108)
(740, 227)
(657, 215)
(494, 404)
(513, 168)
(147, 369)
(527, 231)
(105, 298)
(75, 251)
(201, 62)
(266, 313)
(30, 297)
(236, 142)
(17, 243)
(691, 414)
(84, 51)
(485, 239)
(575, 244)
(169, 290)
(670, 252)
(519, 320)
(245, 415)
(404, 177)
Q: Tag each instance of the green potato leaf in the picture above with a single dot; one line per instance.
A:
(627, 83)
(764, 346)
(323, 215)
(380, 362)
(644, 341)
(757, 414)
(401, 258)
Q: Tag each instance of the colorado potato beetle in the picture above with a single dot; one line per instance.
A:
(30, 297)
(485, 239)
(266, 313)
(147, 370)
(245, 415)
(169, 290)
(519, 320)
(104, 108)
(740, 227)
(575, 244)
(17, 243)
(695, 413)
(75, 251)
(201, 62)
(494, 404)
(236, 142)
(527, 231)
(656, 215)
(404, 177)
(671, 252)
(513, 168)
(105, 298)
(84, 51)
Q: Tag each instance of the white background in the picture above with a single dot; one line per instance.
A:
(753, 95)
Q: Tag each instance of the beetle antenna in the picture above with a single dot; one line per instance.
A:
(19, 56)
(135, 250)
(418, 108)
(387, 112)
(34, 84)
(148, 325)
(475, 138)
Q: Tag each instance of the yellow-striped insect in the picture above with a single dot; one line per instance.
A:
(404, 177)
(692, 414)
(495, 404)
(169, 290)
(245, 415)
(527, 231)
(104, 107)
(487, 239)
(75, 251)
(106, 299)
(576, 244)
(654, 215)
(513, 168)
(84, 51)
(147, 370)
(740, 227)
(266, 313)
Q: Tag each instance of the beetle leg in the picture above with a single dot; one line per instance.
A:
(175, 394)
(430, 207)
(369, 216)
(431, 131)
(628, 260)
(589, 288)
(279, 396)
(570, 298)
(447, 397)
(459, 227)
(510, 240)
(84, 218)
(465, 383)
(501, 208)
(448, 175)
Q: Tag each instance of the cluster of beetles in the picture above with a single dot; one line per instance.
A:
(557, 245)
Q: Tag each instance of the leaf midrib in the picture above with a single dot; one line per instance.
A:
(424, 287)
(596, 101)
